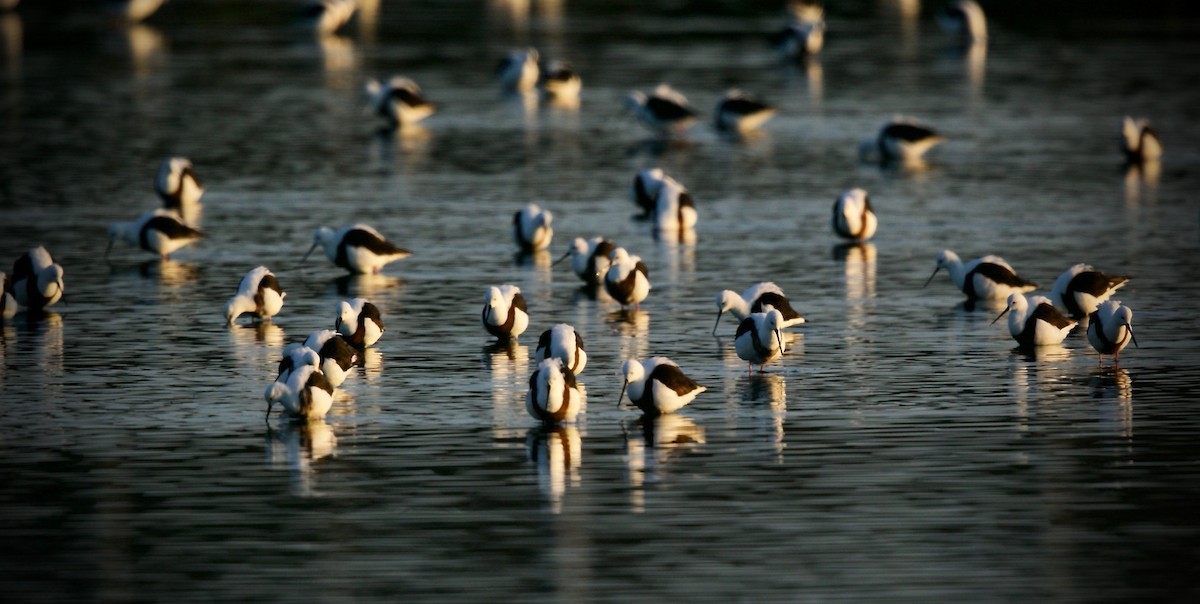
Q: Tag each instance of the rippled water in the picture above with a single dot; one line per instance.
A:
(900, 450)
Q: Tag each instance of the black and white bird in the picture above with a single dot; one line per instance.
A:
(562, 342)
(964, 19)
(359, 322)
(759, 338)
(1139, 141)
(357, 248)
(518, 71)
(1034, 321)
(757, 298)
(984, 278)
(799, 39)
(665, 110)
(504, 314)
(853, 217)
(553, 395)
(296, 355)
(8, 304)
(328, 16)
(337, 356)
(627, 280)
(657, 385)
(589, 259)
(675, 210)
(399, 100)
(37, 280)
(306, 395)
(1081, 288)
(532, 230)
(560, 83)
(738, 112)
(179, 187)
(258, 293)
(645, 188)
(160, 232)
(1110, 329)
(900, 141)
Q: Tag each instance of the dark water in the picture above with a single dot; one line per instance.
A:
(901, 450)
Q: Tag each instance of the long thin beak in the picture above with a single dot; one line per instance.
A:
(931, 276)
(779, 338)
(719, 313)
(564, 257)
(267, 419)
(622, 395)
(309, 252)
(1002, 313)
(1130, 328)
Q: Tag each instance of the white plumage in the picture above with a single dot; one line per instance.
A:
(161, 232)
(518, 71)
(359, 322)
(853, 217)
(306, 395)
(627, 279)
(987, 278)
(37, 280)
(1139, 142)
(759, 297)
(532, 228)
(562, 342)
(1110, 329)
(665, 110)
(258, 293)
(657, 385)
(553, 396)
(399, 100)
(1034, 321)
(759, 338)
(504, 313)
(357, 248)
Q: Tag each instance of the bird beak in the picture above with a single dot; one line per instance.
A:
(779, 338)
(1130, 328)
(310, 251)
(719, 313)
(931, 276)
(622, 395)
(1002, 313)
(564, 257)
(267, 419)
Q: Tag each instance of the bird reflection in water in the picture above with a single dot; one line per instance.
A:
(1141, 182)
(508, 362)
(633, 326)
(771, 389)
(147, 48)
(339, 58)
(858, 262)
(651, 445)
(365, 286)
(1116, 386)
(296, 446)
(412, 143)
(557, 452)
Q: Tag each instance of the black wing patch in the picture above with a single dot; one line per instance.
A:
(673, 377)
(370, 241)
(743, 106)
(666, 110)
(1000, 275)
(907, 132)
(777, 302)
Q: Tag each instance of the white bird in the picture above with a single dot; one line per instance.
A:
(799, 39)
(399, 100)
(1034, 321)
(562, 342)
(759, 297)
(627, 280)
(1081, 288)
(560, 82)
(518, 71)
(178, 186)
(359, 322)
(8, 304)
(531, 228)
(759, 338)
(37, 280)
(296, 355)
(853, 217)
(553, 396)
(1110, 329)
(1139, 142)
(964, 19)
(258, 293)
(328, 16)
(644, 192)
(675, 210)
(589, 259)
(986, 278)
(336, 354)
(739, 112)
(160, 232)
(504, 313)
(306, 395)
(901, 140)
(657, 385)
(664, 111)
(357, 248)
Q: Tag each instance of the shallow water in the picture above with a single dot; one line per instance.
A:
(900, 450)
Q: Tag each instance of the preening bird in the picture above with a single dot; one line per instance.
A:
(258, 293)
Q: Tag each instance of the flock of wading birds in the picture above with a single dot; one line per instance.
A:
(309, 372)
